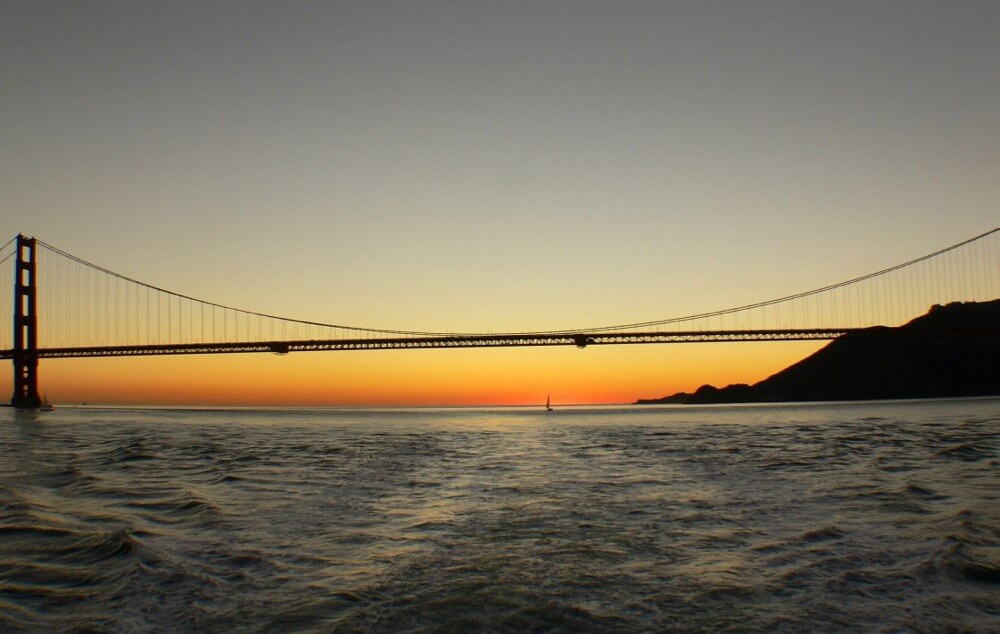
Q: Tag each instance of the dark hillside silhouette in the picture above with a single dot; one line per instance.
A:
(953, 350)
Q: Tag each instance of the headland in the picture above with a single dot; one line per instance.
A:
(952, 351)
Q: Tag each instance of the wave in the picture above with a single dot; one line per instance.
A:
(49, 569)
(723, 520)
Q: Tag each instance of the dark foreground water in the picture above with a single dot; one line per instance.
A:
(872, 517)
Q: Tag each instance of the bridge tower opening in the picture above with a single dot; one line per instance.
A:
(25, 326)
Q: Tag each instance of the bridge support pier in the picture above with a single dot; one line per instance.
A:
(25, 327)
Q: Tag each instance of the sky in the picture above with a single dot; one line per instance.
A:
(489, 166)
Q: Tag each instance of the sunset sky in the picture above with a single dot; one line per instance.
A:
(489, 166)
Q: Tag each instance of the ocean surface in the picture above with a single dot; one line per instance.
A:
(878, 517)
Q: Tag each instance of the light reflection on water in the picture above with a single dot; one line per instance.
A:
(836, 516)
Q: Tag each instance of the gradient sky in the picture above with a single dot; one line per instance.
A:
(490, 166)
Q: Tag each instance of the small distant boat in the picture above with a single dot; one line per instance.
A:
(45, 406)
(548, 403)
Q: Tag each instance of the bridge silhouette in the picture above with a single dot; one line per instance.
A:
(90, 311)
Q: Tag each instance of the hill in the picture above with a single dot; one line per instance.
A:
(953, 350)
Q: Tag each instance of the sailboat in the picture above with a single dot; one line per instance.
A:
(548, 403)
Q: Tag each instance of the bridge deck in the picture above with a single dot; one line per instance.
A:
(579, 339)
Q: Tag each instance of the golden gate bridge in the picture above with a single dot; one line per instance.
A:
(64, 306)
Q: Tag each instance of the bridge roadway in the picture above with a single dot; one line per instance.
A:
(578, 339)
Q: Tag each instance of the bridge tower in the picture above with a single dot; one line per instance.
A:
(25, 326)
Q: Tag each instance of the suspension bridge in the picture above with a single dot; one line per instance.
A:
(64, 306)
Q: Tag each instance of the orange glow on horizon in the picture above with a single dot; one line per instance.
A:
(506, 376)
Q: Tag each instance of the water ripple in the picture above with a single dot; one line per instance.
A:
(876, 517)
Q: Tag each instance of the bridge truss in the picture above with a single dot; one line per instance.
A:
(580, 340)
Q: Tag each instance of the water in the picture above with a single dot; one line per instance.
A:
(873, 517)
